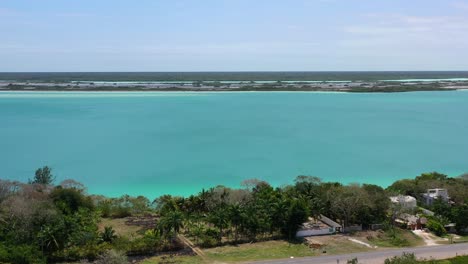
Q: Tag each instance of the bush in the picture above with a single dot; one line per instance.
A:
(399, 242)
(105, 207)
(70, 200)
(436, 227)
(121, 212)
(395, 237)
(209, 238)
(108, 235)
(91, 252)
(121, 243)
(21, 254)
(459, 260)
(112, 257)
(210, 232)
(149, 243)
(406, 258)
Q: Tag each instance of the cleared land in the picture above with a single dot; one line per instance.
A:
(279, 249)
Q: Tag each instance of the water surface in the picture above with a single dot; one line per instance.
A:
(152, 143)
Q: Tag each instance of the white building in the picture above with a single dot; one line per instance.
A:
(405, 201)
(317, 227)
(432, 194)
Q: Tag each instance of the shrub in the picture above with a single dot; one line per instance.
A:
(70, 200)
(436, 227)
(121, 212)
(108, 235)
(406, 258)
(208, 242)
(395, 238)
(209, 238)
(91, 251)
(121, 243)
(20, 254)
(112, 257)
(105, 207)
(149, 243)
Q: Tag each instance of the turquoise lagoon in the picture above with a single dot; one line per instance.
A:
(153, 143)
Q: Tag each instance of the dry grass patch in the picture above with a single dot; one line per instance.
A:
(339, 244)
(120, 227)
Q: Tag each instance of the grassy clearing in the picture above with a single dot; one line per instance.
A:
(258, 251)
(174, 259)
(120, 227)
(338, 244)
(396, 238)
(460, 239)
(457, 260)
(282, 250)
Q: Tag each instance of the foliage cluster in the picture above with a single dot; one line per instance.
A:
(40, 222)
(456, 212)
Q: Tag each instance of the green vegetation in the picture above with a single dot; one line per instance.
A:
(408, 258)
(395, 237)
(258, 251)
(42, 222)
(457, 260)
(400, 88)
(173, 259)
(43, 176)
(217, 86)
(444, 212)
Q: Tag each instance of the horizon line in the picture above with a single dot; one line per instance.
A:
(238, 71)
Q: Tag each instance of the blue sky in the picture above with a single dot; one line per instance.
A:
(233, 35)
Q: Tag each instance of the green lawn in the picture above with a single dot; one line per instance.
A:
(258, 251)
(400, 238)
(457, 260)
(276, 250)
(282, 250)
(174, 260)
(461, 239)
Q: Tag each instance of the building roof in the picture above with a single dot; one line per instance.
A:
(402, 198)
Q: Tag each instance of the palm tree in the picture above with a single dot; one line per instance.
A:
(171, 223)
(235, 214)
(220, 219)
(108, 235)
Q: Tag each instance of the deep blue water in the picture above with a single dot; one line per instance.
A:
(154, 143)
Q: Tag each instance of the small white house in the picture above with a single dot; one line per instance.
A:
(432, 194)
(405, 201)
(317, 227)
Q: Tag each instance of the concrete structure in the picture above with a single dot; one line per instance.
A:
(408, 202)
(432, 194)
(412, 222)
(317, 227)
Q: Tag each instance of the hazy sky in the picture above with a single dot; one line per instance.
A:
(233, 35)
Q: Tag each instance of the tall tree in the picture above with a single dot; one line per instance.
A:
(43, 176)
(297, 214)
(171, 223)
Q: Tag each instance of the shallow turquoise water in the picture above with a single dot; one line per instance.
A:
(178, 143)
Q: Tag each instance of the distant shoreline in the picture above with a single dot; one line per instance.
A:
(228, 91)
(279, 87)
(359, 82)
